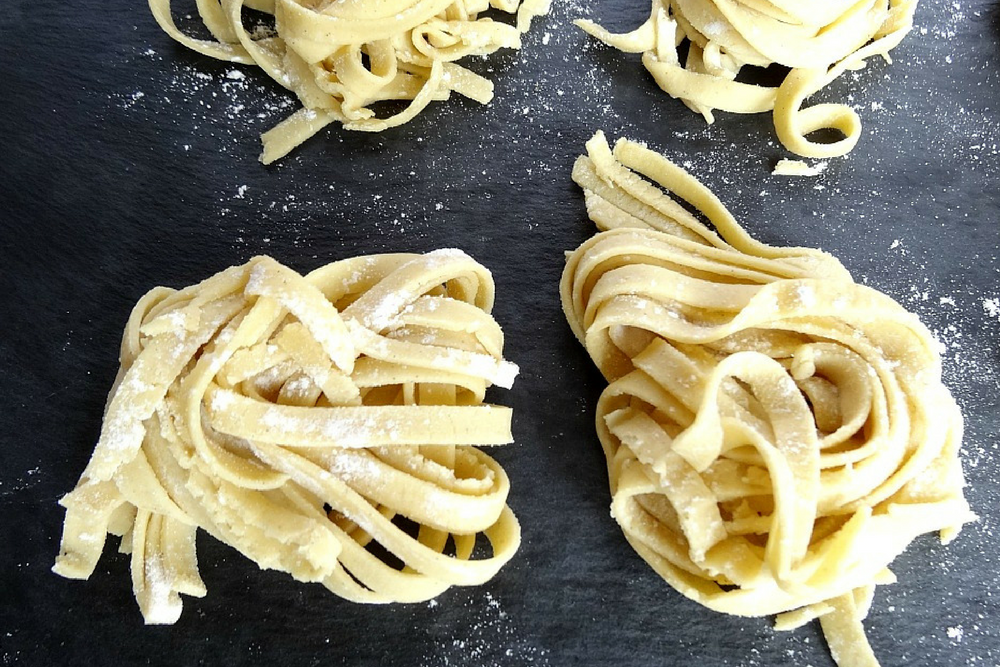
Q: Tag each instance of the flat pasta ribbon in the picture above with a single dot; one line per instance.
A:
(815, 41)
(775, 433)
(304, 420)
(340, 58)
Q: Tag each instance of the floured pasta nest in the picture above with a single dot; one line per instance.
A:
(816, 41)
(776, 434)
(340, 57)
(303, 421)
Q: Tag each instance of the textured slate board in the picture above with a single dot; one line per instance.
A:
(124, 164)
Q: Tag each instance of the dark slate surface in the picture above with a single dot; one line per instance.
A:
(123, 164)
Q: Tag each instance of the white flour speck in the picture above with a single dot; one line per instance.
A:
(992, 307)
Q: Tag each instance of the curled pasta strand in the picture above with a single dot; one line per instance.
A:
(775, 433)
(302, 419)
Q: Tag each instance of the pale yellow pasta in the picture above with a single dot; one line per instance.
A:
(300, 419)
(340, 57)
(815, 41)
(776, 434)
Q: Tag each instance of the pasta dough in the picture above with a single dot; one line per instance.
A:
(305, 420)
(816, 41)
(342, 56)
(776, 434)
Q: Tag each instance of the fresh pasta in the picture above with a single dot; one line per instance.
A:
(776, 434)
(304, 420)
(340, 57)
(815, 41)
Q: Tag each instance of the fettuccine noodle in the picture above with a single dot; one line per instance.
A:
(816, 41)
(342, 56)
(776, 434)
(303, 420)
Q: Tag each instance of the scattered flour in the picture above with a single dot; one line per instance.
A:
(490, 638)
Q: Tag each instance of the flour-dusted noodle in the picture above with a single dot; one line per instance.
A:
(776, 434)
(817, 42)
(301, 419)
(341, 57)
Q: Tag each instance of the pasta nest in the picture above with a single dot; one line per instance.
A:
(340, 57)
(776, 434)
(321, 425)
(815, 41)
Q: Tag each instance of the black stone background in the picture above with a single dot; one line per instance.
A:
(121, 166)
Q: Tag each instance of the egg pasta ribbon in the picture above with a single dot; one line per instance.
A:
(816, 42)
(340, 58)
(775, 433)
(305, 420)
